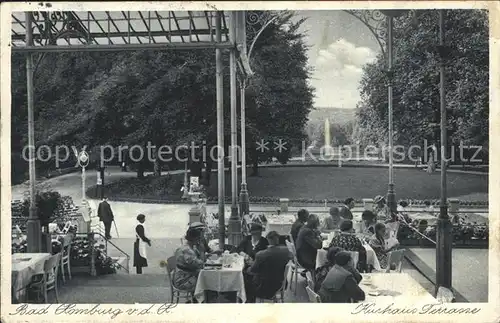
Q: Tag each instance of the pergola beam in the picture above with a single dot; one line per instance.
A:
(156, 33)
(121, 47)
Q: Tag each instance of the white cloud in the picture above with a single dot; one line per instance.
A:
(338, 72)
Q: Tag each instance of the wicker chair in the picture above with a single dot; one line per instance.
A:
(174, 291)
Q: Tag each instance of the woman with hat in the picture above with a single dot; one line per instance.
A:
(248, 248)
(189, 262)
(202, 244)
(381, 209)
(140, 258)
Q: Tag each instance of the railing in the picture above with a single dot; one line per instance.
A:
(91, 237)
(107, 241)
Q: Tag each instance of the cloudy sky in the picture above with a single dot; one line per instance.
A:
(340, 46)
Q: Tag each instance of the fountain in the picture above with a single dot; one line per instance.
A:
(327, 146)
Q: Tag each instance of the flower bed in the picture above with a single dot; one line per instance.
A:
(81, 256)
(464, 233)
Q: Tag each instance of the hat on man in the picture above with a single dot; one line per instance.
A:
(256, 227)
(196, 226)
(378, 199)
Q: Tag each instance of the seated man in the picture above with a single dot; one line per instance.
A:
(333, 221)
(341, 282)
(269, 267)
(349, 242)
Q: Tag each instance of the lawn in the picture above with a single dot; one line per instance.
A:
(316, 183)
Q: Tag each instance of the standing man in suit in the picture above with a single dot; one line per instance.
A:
(105, 215)
(269, 267)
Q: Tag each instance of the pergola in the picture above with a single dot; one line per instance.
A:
(72, 31)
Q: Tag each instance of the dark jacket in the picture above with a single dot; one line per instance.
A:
(104, 212)
(341, 286)
(246, 246)
(269, 269)
(307, 245)
(294, 231)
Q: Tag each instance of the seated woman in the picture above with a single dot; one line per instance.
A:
(377, 242)
(322, 271)
(369, 220)
(333, 221)
(202, 244)
(381, 209)
(348, 241)
(248, 247)
(189, 262)
(341, 282)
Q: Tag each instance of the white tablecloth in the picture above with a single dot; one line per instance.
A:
(222, 280)
(25, 266)
(371, 257)
(395, 285)
(280, 223)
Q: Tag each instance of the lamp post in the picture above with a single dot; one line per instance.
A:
(33, 227)
(375, 22)
(257, 23)
(185, 192)
(234, 221)
(444, 225)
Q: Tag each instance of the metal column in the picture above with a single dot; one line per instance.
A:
(234, 221)
(444, 230)
(34, 232)
(391, 197)
(244, 198)
(220, 131)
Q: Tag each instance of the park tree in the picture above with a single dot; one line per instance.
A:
(416, 81)
(279, 97)
(163, 97)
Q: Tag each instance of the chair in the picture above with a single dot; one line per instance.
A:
(395, 257)
(65, 257)
(66, 228)
(48, 280)
(295, 266)
(174, 291)
(309, 279)
(313, 297)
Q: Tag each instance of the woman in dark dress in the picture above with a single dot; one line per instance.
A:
(249, 247)
(140, 257)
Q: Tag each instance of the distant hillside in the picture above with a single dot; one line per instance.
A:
(336, 115)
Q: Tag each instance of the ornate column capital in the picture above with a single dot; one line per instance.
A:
(375, 20)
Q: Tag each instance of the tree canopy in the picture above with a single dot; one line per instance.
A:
(416, 82)
(163, 97)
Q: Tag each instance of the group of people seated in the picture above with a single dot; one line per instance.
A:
(337, 280)
(265, 261)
